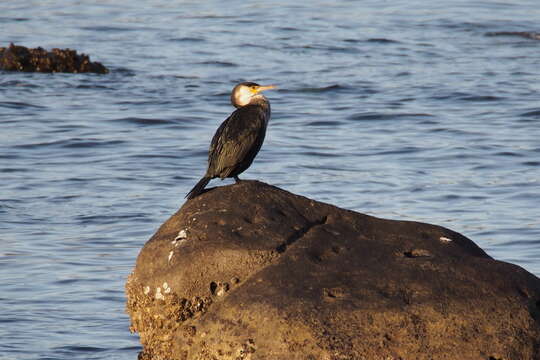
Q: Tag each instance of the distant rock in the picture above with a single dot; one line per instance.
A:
(250, 271)
(524, 34)
(20, 58)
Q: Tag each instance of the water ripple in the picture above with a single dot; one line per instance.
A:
(71, 143)
(188, 39)
(144, 121)
(217, 63)
(481, 98)
(20, 105)
(325, 123)
(317, 90)
(18, 83)
(77, 349)
(534, 114)
(370, 116)
(383, 41)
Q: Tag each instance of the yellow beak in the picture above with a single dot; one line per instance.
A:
(263, 88)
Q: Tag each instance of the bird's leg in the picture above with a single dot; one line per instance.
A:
(237, 179)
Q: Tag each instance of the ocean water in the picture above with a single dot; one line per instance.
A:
(398, 109)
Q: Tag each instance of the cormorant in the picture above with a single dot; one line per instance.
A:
(239, 138)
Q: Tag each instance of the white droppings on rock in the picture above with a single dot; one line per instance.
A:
(182, 234)
(222, 289)
(180, 238)
(146, 290)
(165, 285)
(167, 290)
(159, 295)
(170, 256)
(445, 239)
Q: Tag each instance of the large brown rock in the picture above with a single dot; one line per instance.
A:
(20, 58)
(250, 271)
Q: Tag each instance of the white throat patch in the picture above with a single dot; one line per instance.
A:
(243, 96)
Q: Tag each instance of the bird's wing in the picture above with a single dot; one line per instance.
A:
(238, 139)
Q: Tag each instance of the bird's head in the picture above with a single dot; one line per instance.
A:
(245, 92)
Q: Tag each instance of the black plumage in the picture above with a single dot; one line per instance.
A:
(239, 138)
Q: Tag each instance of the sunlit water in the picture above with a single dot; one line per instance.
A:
(397, 109)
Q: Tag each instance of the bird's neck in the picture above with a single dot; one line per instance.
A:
(262, 101)
(258, 99)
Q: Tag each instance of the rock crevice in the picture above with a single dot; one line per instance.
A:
(299, 234)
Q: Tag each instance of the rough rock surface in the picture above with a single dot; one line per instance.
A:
(250, 271)
(20, 58)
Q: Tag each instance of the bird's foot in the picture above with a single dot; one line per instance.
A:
(237, 179)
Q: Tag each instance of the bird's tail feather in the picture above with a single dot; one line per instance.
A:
(198, 188)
